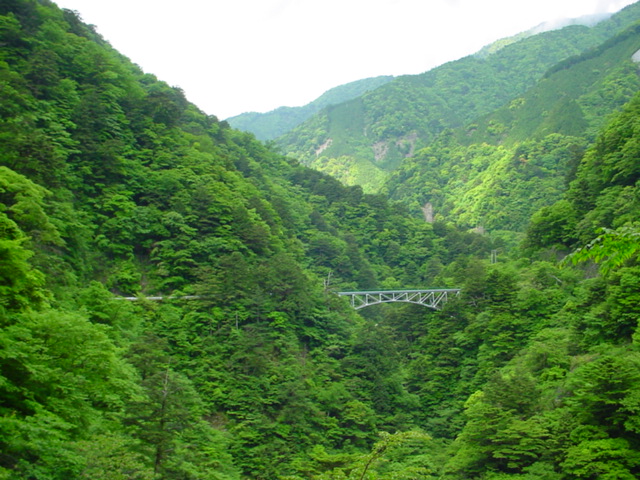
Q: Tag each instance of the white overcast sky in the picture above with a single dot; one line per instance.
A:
(235, 56)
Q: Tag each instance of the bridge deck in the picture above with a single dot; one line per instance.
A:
(429, 297)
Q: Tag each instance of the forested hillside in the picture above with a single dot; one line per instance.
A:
(495, 172)
(113, 185)
(270, 125)
(565, 406)
(362, 141)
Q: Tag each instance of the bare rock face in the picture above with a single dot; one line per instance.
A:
(427, 209)
(324, 146)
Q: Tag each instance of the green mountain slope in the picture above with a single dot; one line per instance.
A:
(573, 98)
(112, 184)
(270, 125)
(497, 171)
(405, 115)
(603, 190)
(592, 424)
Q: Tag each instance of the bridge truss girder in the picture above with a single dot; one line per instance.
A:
(432, 298)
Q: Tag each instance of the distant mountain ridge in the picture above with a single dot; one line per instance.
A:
(270, 125)
(361, 141)
(277, 122)
(496, 171)
(572, 98)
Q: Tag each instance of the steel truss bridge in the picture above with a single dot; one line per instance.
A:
(432, 298)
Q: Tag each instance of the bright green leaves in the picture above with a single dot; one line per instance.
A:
(480, 185)
(611, 249)
(37, 446)
(66, 364)
(112, 456)
(398, 456)
(23, 202)
(604, 391)
(615, 311)
(61, 378)
(499, 433)
(603, 194)
(23, 225)
(579, 423)
(20, 284)
(603, 459)
(401, 451)
(616, 150)
(521, 443)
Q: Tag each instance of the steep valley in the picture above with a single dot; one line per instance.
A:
(252, 366)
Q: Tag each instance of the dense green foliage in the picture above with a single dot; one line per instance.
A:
(498, 170)
(494, 188)
(573, 98)
(362, 141)
(270, 125)
(112, 184)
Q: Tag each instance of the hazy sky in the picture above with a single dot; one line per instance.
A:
(234, 56)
